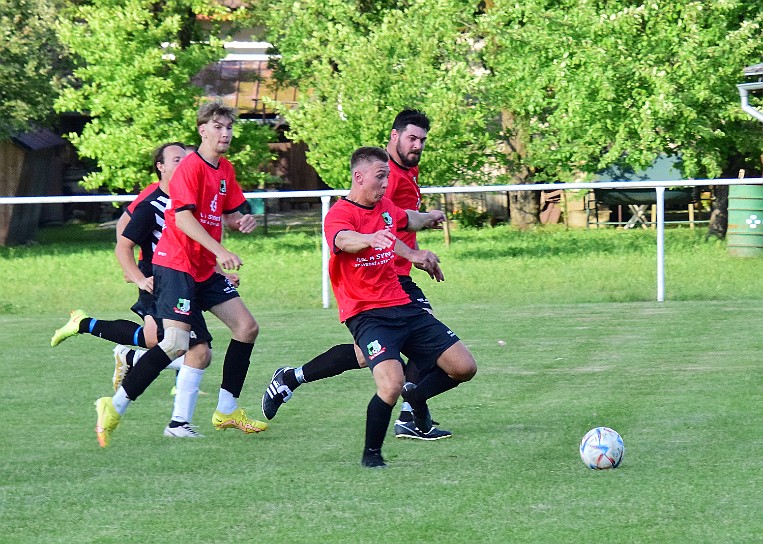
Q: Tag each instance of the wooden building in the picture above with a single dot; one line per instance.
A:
(30, 165)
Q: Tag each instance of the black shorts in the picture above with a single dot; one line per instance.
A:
(385, 333)
(414, 292)
(144, 304)
(178, 297)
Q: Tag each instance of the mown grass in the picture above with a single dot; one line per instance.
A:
(585, 345)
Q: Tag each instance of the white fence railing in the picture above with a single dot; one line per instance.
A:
(326, 196)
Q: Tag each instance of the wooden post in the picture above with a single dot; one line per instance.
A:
(691, 215)
(565, 211)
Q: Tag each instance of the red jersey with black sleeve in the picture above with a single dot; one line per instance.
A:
(144, 263)
(209, 193)
(145, 227)
(367, 279)
(143, 194)
(403, 190)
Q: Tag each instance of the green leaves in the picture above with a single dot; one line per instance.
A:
(592, 83)
(30, 64)
(363, 62)
(134, 68)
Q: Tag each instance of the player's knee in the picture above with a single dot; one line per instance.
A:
(198, 356)
(175, 342)
(389, 390)
(246, 331)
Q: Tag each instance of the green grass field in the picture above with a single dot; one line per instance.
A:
(586, 345)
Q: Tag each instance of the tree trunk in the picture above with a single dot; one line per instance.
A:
(524, 206)
(719, 217)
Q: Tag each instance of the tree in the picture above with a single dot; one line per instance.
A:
(134, 62)
(363, 61)
(588, 84)
(31, 64)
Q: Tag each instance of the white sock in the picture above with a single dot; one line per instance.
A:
(177, 364)
(120, 400)
(187, 385)
(226, 402)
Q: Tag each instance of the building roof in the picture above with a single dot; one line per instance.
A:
(754, 70)
(244, 79)
(39, 139)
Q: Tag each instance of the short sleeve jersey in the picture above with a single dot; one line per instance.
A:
(403, 189)
(143, 194)
(367, 279)
(209, 192)
(145, 227)
(131, 208)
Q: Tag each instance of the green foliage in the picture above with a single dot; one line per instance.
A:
(363, 62)
(249, 152)
(469, 216)
(592, 83)
(134, 66)
(31, 63)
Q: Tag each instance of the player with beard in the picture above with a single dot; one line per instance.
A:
(406, 143)
(363, 231)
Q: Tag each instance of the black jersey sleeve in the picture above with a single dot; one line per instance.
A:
(142, 224)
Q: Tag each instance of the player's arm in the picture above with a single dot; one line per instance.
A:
(244, 223)
(351, 241)
(187, 223)
(418, 220)
(421, 258)
(121, 224)
(125, 252)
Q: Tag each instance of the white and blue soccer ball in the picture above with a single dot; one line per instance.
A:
(602, 448)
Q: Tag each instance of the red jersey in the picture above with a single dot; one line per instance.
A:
(143, 194)
(403, 190)
(209, 193)
(366, 279)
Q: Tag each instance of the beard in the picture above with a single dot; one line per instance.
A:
(410, 160)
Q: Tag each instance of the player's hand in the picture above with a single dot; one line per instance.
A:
(382, 239)
(228, 260)
(233, 278)
(246, 223)
(435, 219)
(428, 262)
(146, 284)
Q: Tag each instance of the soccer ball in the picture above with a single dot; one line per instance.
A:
(602, 448)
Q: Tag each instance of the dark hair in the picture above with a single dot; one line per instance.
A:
(159, 155)
(211, 110)
(411, 117)
(367, 154)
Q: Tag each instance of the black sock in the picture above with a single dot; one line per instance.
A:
(140, 377)
(235, 366)
(290, 379)
(378, 416)
(330, 363)
(432, 384)
(119, 331)
(175, 424)
(411, 372)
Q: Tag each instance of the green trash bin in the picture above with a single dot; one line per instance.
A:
(257, 205)
(744, 237)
